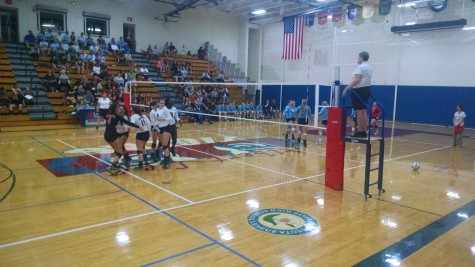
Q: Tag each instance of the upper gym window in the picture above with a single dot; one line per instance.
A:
(51, 20)
(96, 24)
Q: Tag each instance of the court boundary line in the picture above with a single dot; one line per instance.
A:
(129, 173)
(59, 201)
(173, 208)
(178, 255)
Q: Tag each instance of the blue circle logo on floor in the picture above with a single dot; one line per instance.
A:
(283, 222)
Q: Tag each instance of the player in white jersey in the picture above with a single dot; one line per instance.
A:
(155, 130)
(142, 135)
(173, 128)
(164, 119)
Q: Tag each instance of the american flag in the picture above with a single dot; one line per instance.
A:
(293, 38)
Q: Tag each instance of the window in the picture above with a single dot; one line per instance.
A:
(51, 20)
(96, 26)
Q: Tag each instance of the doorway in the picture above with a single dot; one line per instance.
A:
(129, 32)
(9, 25)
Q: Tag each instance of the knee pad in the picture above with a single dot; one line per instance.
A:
(139, 152)
(292, 130)
(165, 147)
(118, 154)
(154, 145)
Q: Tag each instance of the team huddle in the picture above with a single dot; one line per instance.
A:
(161, 127)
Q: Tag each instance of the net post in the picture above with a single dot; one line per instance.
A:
(337, 86)
(127, 97)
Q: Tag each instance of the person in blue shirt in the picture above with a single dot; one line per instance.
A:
(220, 110)
(303, 113)
(324, 113)
(258, 111)
(30, 39)
(250, 110)
(241, 110)
(231, 109)
(290, 119)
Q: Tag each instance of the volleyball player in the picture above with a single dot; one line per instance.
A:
(103, 105)
(142, 135)
(123, 131)
(375, 114)
(173, 128)
(290, 119)
(112, 137)
(163, 121)
(303, 112)
(155, 131)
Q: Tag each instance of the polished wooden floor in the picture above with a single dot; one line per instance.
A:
(196, 212)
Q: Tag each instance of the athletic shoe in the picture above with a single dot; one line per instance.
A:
(139, 168)
(172, 150)
(97, 127)
(166, 165)
(304, 143)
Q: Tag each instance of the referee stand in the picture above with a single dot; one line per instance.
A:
(337, 136)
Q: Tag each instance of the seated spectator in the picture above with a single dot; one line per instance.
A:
(30, 39)
(189, 53)
(17, 100)
(96, 70)
(93, 48)
(122, 44)
(44, 48)
(82, 41)
(147, 52)
(63, 81)
(148, 100)
(90, 61)
(41, 36)
(100, 58)
(50, 81)
(128, 59)
(101, 42)
(35, 52)
(89, 40)
(89, 98)
(104, 72)
(118, 82)
(70, 100)
(49, 36)
(73, 51)
(120, 57)
(72, 38)
(64, 49)
(29, 99)
(59, 37)
(53, 62)
(53, 47)
(4, 100)
(66, 38)
(154, 53)
(172, 49)
(144, 72)
(220, 77)
(205, 77)
(166, 50)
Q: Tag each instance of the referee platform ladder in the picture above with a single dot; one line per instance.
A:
(370, 140)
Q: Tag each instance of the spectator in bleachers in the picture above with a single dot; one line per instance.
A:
(89, 40)
(59, 37)
(144, 72)
(41, 35)
(35, 52)
(44, 48)
(100, 58)
(154, 53)
(96, 69)
(101, 42)
(30, 39)
(90, 61)
(147, 52)
(205, 77)
(119, 81)
(50, 81)
(128, 59)
(82, 40)
(201, 53)
(64, 48)
(89, 98)
(63, 81)
(4, 100)
(183, 72)
(166, 49)
(49, 35)
(72, 38)
(189, 53)
(66, 38)
(29, 99)
(104, 72)
(53, 47)
(17, 100)
(79, 65)
(172, 49)
(70, 100)
(54, 65)
(93, 48)
(120, 57)
(122, 45)
(220, 77)
(73, 51)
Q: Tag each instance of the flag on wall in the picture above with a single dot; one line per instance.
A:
(293, 38)
(384, 7)
(336, 14)
(309, 19)
(322, 18)
(351, 12)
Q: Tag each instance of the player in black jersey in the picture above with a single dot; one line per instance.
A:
(112, 136)
(124, 132)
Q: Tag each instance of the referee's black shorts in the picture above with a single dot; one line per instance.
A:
(363, 93)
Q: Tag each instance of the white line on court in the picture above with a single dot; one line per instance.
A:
(131, 174)
(186, 205)
(416, 142)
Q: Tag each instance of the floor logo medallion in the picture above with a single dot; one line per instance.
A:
(283, 222)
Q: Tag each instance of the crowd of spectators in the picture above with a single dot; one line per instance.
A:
(18, 99)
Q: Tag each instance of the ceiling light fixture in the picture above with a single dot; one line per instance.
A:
(258, 12)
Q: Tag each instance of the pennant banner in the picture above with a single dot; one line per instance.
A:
(322, 18)
(337, 13)
(309, 19)
(384, 7)
(351, 12)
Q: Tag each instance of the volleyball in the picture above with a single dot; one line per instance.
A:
(415, 166)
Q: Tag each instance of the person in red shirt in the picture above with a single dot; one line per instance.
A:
(375, 114)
